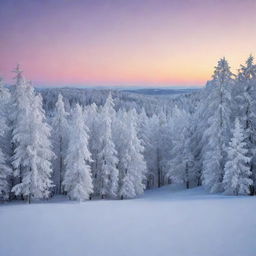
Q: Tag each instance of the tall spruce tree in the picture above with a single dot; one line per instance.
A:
(5, 170)
(92, 118)
(60, 135)
(237, 169)
(107, 173)
(132, 165)
(246, 110)
(218, 120)
(77, 180)
(182, 164)
(32, 147)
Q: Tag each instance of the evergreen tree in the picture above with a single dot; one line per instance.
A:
(92, 118)
(77, 179)
(153, 147)
(182, 161)
(146, 133)
(107, 173)
(217, 133)
(166, 143)
(131, 161)
(4, 107)
(237, 170)
(5, 170)
(246, 110)
(5, 173)
(60, 134)
(32, 154)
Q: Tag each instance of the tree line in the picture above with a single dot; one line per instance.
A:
(70, 153)
(99, 151)
(216, 145)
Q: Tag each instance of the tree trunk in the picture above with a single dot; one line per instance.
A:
(252, 190)
(198, 182)
(158, 170)
(29, 198)
(187, 178)
(60, 178)
(251, 187)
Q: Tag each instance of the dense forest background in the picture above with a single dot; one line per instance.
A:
(91, 143)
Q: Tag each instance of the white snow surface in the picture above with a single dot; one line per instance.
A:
(166, 221)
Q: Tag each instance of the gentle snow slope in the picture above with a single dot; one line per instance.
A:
(166, 221)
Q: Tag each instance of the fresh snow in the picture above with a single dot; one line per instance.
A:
(166, 221)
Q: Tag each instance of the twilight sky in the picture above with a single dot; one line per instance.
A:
(124, 42)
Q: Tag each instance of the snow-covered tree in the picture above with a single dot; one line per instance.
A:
(237, 169)
(166, 145)
(92, 118)
(77, 180)
(245, 94)
(4, 106)
(181, 165)
(150, 140)
(151, 131)
(5, 170)
(32, 153)
(60, 135)
(199, 139)
(217, 133)
(106, 180)
(131, 165)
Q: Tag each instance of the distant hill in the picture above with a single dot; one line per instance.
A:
(154, 91)
(152, 100)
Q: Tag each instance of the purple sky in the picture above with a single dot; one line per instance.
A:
(121, 42)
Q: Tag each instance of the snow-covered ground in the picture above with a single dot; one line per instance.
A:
(167, 221)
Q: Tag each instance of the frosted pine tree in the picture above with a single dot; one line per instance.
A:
(166, 143)
(92, 118)
(137, 162)
(5, 170)
(162, 121)
(213, 165)
(4, 106)
(30, 137)
(149, 136)
(237, 169)
(217, 133)
(16, 110)
(194, 144)
(5, 173)
(131, 161)
(181, 165)
(107, 173)
(246, 109)
(77, 180)
(110, 106)
(32, 154)
(60, 134)
(19, 99)
(152, 138)
(200, 123)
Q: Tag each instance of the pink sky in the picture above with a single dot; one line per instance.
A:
(124, 43)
